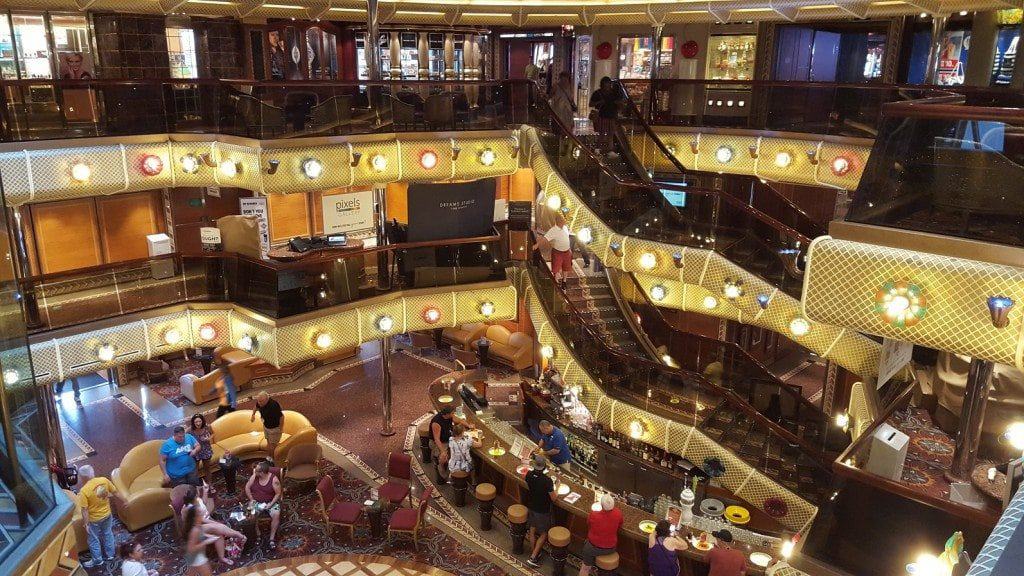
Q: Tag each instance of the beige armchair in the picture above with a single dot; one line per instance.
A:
(204, 389)
(462, 335)
(140, 482)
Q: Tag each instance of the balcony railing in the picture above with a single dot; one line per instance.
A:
(275, 289)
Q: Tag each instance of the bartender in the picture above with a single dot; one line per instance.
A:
(441, 426)
(553, 445)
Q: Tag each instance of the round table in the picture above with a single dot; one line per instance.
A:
(993, 489)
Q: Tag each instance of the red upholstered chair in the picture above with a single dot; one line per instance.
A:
(410, 520)
(399, 475)
(337, 512)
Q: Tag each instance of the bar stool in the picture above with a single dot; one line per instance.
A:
(517, 514)
(424, 431)
(485, 494)
(460, 483)
(559, 539)
(608, 564)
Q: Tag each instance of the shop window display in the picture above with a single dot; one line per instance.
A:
(731, 57)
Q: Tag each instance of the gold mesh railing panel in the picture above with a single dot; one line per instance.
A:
(204, 176)
(219, 319)
(855, 157)
(78, 353)
(45, 362)
(740, 161)
(262, 334)
(635, 249)
(843, 278)
(799, 170)
(468, 165)
(51, 172)
(365, 173)
(411, 152)
(137, 179)
(157, 328)
(368, 316)
(296, 342)
(860, 413)
(467, 305)
(289, 177)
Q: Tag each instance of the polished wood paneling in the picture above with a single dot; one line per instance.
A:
(125, 220)
(522, 185)
(193, 208)
(818, 202)
(289, 216)
(67, 235)
(398, 201)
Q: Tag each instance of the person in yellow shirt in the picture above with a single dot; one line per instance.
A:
(94, 499)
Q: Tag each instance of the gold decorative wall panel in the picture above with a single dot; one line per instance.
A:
(679, 438)
(282, 342)
(704, 272)
(44, 174)
(843, 278)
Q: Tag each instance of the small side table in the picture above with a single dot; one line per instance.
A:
(244, 523)
(375, 515)
(483, 346)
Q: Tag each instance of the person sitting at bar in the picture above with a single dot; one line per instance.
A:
(542, 494)
(461, 447)
(441, 426)
(602, 533)
(725, 560)
(178, 459)
(553, 445)
(663, 545)
(264, 492)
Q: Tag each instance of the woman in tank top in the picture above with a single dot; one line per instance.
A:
(662, 547)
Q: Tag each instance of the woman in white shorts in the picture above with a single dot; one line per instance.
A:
(195, 546)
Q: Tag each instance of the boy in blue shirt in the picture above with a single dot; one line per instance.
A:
(177, 459)
(553, 445)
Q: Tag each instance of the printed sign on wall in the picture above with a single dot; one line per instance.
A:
(257, 207)
(350, 213)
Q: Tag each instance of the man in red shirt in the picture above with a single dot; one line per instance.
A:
(602, 533)
(725, 560)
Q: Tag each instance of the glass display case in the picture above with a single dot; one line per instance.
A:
(635, 57)
(731, 57)
(410, 55)
(33, 50)
(8, 64)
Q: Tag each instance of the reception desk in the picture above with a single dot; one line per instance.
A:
(501, 470)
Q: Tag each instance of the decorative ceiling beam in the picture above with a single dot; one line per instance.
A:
(657, 13)
(782, 9)
(856, 9)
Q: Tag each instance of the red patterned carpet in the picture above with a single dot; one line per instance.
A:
(302, 533)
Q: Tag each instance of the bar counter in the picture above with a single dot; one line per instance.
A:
(501, 471)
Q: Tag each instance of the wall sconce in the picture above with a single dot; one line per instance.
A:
(356, 157)
(694, 147)
(487, 157)
(843, 421)
(172, 336)
(487, 309)
(762, 300)
(710, 302)
(617, 248)
(585, 235)
(799, 326)
(11, 376)
(247, 343)
(312, 168)
(999, 309)
(554, 202)
(724, 154)
(431, 314)
(272, 166)
(455, 153)
(783, 159)
(105, 352)
(677, 259)
(190, 163)
(671, 149)
(229, 168)
(81, 172)
(379, 162)
(151, 165)
(812, 156)
(753, 150)
(648, 260)
(841, 165)
(732, 289)
(385, 323)
(658, 292)
(207, 332)
(207, 159)
(323, 341)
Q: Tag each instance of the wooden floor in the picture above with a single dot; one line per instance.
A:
(339, 565)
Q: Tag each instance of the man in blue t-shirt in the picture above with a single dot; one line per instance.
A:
(177, 459)
(553, 445)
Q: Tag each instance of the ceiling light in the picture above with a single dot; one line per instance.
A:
(710, 302)
(207, 332)
(648, 260)
(379, 162)
(247, 343)
(841, 165)
(190, 163)
(81, 172)
(547, 351)
(312, 168)
(105, 352)
(658, 292)
(585, 235)
(323, 340)
(385, 323)
(172, 336)
(431, 315)
(487, 309)
(151, 165)
(724, 154)
(228, 168)
(428, 159)
(799, 326)
(11, 376)
(783, 159)
(487, 157)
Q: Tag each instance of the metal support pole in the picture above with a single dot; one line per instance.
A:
(972, 414)
(380, 194)
(935, 49)
(372, 40)
(385, 390)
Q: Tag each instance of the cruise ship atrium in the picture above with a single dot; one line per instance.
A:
(511, 287)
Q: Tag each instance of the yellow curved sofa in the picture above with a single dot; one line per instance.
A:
(140, 481)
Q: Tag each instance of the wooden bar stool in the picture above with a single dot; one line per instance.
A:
(485, 494)
(608, 565)
(424, 431)
(517, 514)
(460, 483)
(559, 539)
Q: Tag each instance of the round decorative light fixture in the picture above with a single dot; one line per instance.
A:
(783, 159)
(843, 420)
(228, 168)
(487, 309)
(105, 352)
(585, 235)
(732, 289)
(636, 429)
(669, 361)
(379, 162)
(312, 168)
(1014, 435)
(576, 153)
(648, 260)
(385, 323)
(658, 292)
(11, 376)
(323, 340)
(431, 314)
(207, 332)
(799, 326)
(172, 336)
(710, 302)
(190, 163)
(901, 304)
(428, 159)
(81, 172)
(151, 165)
(546, 351)
(724, 154)
(553, 202)
(487, 157)
(841, 165)
(247, 343)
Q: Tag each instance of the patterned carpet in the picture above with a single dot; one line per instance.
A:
(302, 533)
(171, 390)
